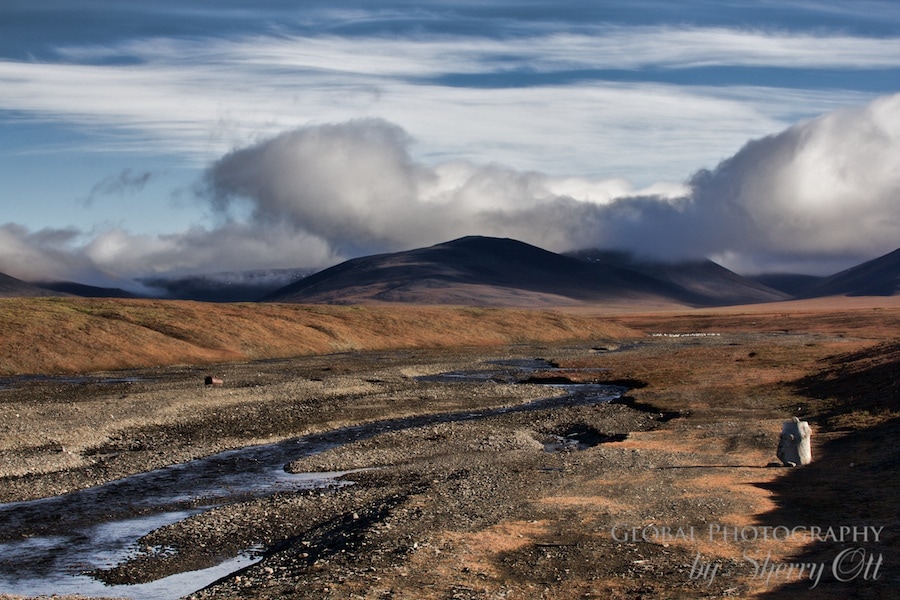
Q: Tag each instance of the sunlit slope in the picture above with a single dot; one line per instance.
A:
(68, 335)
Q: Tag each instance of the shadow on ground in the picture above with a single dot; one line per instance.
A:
(853, 482)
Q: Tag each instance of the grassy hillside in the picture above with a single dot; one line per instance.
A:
(71, 335)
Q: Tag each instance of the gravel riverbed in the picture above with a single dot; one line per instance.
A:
(494, 502)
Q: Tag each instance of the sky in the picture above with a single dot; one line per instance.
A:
(167, 138)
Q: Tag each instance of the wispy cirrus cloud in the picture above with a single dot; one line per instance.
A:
(201, 98)
(544, 47)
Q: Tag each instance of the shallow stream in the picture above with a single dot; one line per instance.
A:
(48, 546)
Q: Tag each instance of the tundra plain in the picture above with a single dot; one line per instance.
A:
(669, 492)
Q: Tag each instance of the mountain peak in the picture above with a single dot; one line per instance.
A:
(479, 270)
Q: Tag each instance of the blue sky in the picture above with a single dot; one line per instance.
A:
(141, 138)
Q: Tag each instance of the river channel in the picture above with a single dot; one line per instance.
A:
(48, 546)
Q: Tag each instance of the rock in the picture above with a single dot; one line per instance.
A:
(793, 445)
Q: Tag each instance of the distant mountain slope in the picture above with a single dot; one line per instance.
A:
(503, 272)
(86, 291)
(10, 287)
(877, 277)
(789, 283)
(710, 283)
(229, 286)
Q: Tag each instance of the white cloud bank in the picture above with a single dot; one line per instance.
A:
(828, 188)
(357, 186)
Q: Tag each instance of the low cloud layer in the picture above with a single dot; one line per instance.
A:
(823, 190)
(357, 187)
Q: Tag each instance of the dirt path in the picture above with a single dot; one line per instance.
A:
(666, 494)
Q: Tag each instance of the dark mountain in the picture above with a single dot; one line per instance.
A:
(789, 283)
(86, 291)
(877, 277)
(231, 286)
(710, 283)
(10, 287)
(503, 272)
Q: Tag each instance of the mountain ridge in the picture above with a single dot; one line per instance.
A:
(11, 287)
(505, 272)
(478, 270)
(877, 277)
